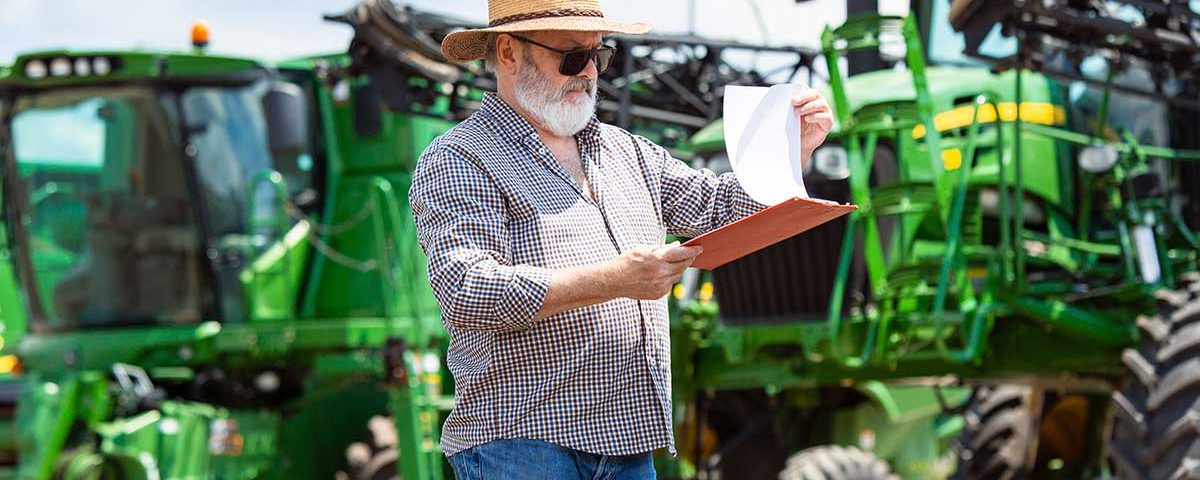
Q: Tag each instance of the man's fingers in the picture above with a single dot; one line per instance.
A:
(677, 253)
(823, 120)
(802, 93)
(805, 98)
(811, 107)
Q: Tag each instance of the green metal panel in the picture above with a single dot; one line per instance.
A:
(129, 66)
(13, 322)
(338, 288)
(195, 441)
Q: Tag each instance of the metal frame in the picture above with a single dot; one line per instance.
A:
(673, 79)
(1007, 291)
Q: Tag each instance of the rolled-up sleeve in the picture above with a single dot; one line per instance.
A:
(697, 201)
(462, 227)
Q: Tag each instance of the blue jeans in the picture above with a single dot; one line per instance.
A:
(524, 459)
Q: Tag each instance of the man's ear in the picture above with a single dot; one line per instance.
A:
(508, 54)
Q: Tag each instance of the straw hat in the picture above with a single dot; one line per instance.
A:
(510, 16)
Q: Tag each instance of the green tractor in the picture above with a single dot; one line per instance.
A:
(1026, 235)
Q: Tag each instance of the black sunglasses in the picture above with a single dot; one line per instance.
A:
(574, 61)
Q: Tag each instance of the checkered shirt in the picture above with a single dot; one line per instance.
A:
(496, 214)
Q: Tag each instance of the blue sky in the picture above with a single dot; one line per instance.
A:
(280, 29)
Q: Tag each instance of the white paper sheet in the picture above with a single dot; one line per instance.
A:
(762, 139)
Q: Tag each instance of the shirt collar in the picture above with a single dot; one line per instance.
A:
(507, 119)
(591, 131)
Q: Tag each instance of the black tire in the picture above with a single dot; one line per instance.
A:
(832, 462)
(994, 444)
(377, 458)
(1155, 433)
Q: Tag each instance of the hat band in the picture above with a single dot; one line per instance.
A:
(560, 12)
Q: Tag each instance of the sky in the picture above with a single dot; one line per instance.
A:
(276, 29)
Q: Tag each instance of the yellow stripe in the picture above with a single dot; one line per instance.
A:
(1044, 113)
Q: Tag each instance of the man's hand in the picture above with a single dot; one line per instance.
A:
(815, 119)
(648, 273)
(644, 273)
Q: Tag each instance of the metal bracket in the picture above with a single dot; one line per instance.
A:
(133, 378)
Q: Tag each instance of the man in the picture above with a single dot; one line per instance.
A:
(544, 230)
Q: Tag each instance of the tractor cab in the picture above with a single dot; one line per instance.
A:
(139, 187)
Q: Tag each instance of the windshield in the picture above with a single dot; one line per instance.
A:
(1145, 118)
(108, 228)
(227, 126)
(946, 45)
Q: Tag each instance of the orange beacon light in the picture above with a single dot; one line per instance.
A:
(200, 34)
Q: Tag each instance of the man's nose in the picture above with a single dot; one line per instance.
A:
(590, 71)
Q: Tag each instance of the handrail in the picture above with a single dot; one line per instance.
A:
(384, 211)
(275, 179)
(953, 251)
(865, 32)
(387, 204)
(1083, 139)
(834, 319)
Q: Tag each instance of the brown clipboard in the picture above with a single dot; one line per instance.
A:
(767, 227)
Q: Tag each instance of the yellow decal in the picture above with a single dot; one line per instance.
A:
(1032, 112)
(952, 158)
(9, 364)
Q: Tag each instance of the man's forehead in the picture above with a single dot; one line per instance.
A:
(568, 39)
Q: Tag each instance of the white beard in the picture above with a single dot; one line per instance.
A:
(551, 108)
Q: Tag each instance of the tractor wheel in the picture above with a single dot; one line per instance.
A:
(1155, 433)
(831, 462)
(375, 459)
(995, 439)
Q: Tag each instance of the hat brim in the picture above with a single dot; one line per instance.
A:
(468, 45)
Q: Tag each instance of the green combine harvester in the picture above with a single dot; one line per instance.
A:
(1024, 227)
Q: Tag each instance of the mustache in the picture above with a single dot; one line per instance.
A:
(578, 84)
